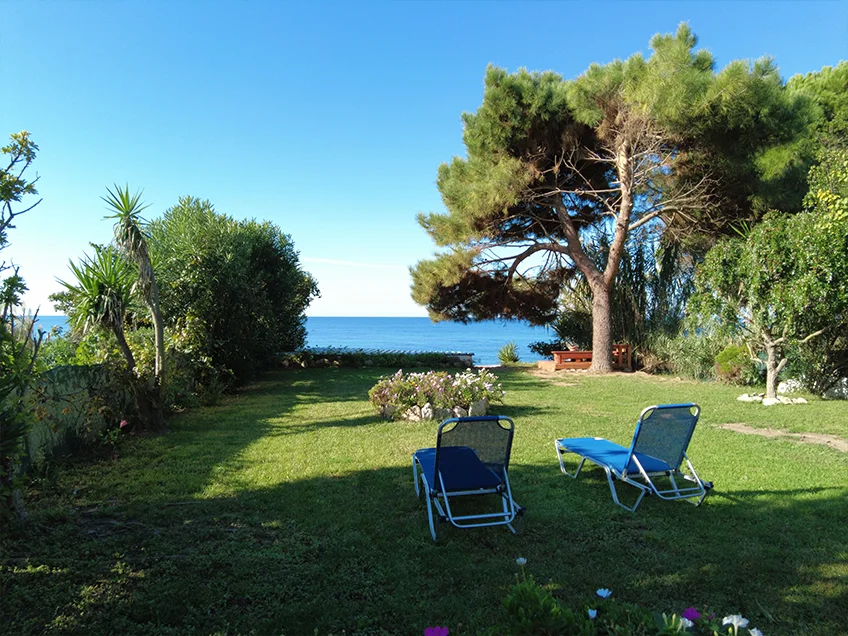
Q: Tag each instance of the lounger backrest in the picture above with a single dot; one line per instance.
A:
(664, 431)
(489, 436)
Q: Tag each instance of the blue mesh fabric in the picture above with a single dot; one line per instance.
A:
(607, 453)
(460, 467)
(665, 432)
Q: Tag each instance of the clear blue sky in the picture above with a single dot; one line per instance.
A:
(329, 119)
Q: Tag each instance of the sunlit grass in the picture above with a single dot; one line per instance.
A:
(290, 507)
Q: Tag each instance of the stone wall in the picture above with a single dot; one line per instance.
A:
(73, 405)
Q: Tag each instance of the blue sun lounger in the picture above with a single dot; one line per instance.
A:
(656, 453)
(471, 458)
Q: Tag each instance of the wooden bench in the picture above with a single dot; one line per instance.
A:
(621, 358)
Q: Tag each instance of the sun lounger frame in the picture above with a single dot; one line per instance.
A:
(438, 495)
(633, 470)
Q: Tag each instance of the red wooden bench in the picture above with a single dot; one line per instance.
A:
(621, 358)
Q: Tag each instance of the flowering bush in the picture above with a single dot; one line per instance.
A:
(395, 394)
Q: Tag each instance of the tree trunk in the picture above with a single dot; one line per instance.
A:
(142, 400)
(158, 416)
(601, 329)
(773, 368)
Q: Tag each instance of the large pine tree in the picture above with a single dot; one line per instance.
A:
(664, 143)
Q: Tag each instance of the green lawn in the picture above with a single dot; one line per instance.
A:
(290, 508)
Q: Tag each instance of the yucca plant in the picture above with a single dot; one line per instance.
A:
(131, 237)
(508, 354)
(101, 297)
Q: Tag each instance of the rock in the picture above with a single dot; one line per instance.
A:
(750, 398)
(770, 401)
(442, 414)
(799, 401)
(413, 414)
(387, 411)
(790, 386)
(427, 412)
(368, 363)
(458, 411)
(480, 407)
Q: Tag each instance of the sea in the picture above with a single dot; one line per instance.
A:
(483, 339)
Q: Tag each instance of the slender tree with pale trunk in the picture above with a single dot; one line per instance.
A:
(780, 287)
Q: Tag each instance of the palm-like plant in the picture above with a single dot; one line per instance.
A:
(100, 297)
(130, 235)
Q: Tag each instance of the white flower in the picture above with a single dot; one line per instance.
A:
(686, 623)
(593, 614)
(755, 632)
(736, 620)
(521, 561)
(604, 592)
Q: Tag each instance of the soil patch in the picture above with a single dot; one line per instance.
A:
(839, 443)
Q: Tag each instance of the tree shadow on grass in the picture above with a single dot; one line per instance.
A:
(352, 552)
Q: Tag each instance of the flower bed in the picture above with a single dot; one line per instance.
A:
(530, 609)
(435, 394)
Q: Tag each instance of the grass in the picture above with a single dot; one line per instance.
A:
(290, 509)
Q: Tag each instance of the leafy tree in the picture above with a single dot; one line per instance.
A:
(555, 167)
(18, 344)
(783, 285)
(131, 236)
(233, 291)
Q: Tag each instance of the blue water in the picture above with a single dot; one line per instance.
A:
(483, 339)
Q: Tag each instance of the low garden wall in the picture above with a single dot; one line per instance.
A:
(73, 406)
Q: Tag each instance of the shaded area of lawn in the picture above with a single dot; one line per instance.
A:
(291, 507)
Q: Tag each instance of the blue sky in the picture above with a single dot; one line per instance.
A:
(329, 119)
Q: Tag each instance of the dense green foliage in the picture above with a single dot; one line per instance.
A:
(18, 344)
(784, 284)
(290, 508)
(555, 167)
(232, 292)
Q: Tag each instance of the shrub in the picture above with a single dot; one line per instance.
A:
(690, 354)
(236, 288)
(358, 358)
(397, 393)
(729, 363)
(508, 354)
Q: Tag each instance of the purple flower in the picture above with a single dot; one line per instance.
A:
(436, 631)
(691, 614)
